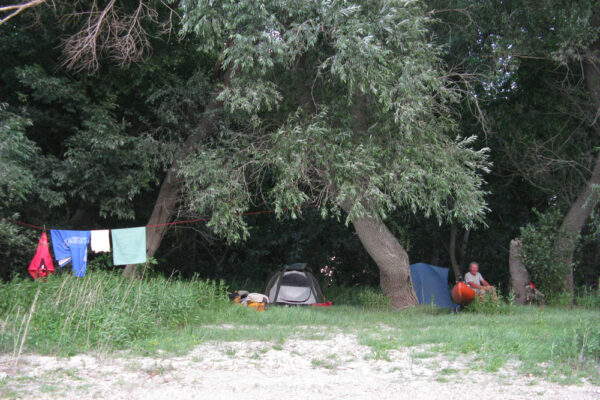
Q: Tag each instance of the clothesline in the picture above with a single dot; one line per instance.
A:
(189, 221)
(71, 246)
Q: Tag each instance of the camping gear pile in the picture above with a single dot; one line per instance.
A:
(256, 301)
(532, 295)
(292, 285)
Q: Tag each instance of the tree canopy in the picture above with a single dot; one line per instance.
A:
(426, 131)
(332, 105)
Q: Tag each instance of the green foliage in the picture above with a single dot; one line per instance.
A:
(562, 299)
(528, 62)
(102, 162)
(560, 28)
(17, 158)
(334, 105)
(101, 310)
(588, 299)
(329, 103)
(541, 256)
(20, 163)
(490, 305)
(16, 243)
(586, 341)
(87, 151)
(177, 102)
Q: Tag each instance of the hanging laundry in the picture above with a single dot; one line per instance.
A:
(41, 265)
(99, 241)
(71, 246)
(129, 245)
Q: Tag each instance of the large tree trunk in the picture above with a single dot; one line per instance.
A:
(380, 243)
(455, 267)
(574, 222)
(458, 263)
(390, 257)
(166, 202)
(519, 277)
(587, 200)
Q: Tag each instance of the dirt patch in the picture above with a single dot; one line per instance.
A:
(336, 368)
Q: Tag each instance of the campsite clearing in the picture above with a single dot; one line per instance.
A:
(337, 366)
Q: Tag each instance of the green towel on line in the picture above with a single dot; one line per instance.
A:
(129, 245)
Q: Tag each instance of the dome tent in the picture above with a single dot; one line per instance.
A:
(293, 285)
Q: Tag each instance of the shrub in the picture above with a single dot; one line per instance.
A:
(588, 298)
(490, 305)
(540, 256)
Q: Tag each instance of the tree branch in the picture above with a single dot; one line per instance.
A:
(112, 32)
(18, 8)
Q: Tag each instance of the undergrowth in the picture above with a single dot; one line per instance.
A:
(100, 310)
(107, 312)
(365, 296)
(492, 304)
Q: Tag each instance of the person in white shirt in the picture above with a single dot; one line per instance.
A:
(474, 279)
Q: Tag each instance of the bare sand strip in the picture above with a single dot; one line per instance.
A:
(335, 368)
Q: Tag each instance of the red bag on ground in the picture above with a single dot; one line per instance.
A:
(328, 304)
(41, 265)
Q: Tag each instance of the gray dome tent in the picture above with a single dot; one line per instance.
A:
(293, 285)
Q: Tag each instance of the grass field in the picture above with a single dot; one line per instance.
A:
(104, 312)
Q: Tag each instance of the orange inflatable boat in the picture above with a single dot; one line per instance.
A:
(462, 294)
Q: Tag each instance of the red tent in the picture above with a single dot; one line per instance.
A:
(41, 265)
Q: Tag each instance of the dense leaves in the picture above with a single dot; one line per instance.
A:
(545, 268)
(81, 151)
(333, 105)
(329, 111)
(17, 155)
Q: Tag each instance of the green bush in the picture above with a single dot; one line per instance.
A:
(588, 298)
(102, 309)
(540, 256)
(490, 305)
(560, 298)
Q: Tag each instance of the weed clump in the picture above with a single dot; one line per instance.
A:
(101, 310)
(588, 299)
(492, 304)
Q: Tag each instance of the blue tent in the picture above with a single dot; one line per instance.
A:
(428, 281)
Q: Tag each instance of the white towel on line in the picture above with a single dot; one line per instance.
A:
(99, 241)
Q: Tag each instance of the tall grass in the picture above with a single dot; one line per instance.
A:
(101, 310)
(105, 311)
(365, 296)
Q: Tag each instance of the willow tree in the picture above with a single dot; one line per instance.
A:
(337, 105)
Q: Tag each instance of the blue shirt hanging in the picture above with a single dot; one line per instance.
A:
(71, 246)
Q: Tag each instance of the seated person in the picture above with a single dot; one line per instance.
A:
(474, 279)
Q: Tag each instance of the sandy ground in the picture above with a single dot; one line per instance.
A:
(336, 368)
